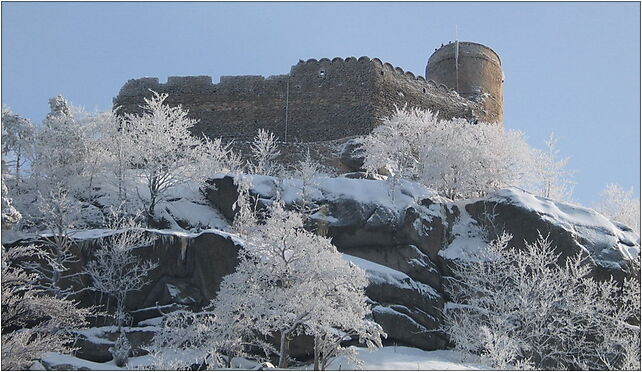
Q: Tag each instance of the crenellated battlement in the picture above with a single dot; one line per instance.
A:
(136, 87)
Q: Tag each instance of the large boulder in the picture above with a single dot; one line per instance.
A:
(409, 311)
(407, 259)
(411, 230)
(607, 246)
(190, 267)
(402, 328)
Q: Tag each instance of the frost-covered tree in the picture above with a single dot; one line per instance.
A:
(10, 215)
(119, 153)
(265, 150)
(523, 308)
(202, 339)
(553, 177)
(456, 158)
(58, 214)
(620, 205)
(393, 148)
(289, 282)
(120, 350)
(307, 169)
(165, 148)
(115, 270)
(59, 107)
(216, 157)
(341, 313)
(17, 140)
(96, 161)
(33, 322)
(166, 154)
(61, 146)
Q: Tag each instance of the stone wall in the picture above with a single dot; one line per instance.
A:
(396, 87)
(326, 100)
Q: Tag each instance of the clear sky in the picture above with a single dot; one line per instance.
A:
(571, 68)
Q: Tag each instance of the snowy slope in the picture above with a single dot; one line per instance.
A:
(409, 359)
(386, 358)
(369, 192)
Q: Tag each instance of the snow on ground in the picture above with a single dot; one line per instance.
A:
(383, 274)
(186, 204)
(409, 359)
(88, 235)
(71, 362)
(373, 192)
(193, 212)
(386, 358)
(99, 335)
(11, 236)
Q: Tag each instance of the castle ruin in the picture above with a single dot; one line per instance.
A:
(328, 100)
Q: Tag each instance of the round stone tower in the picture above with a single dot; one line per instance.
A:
(474, 71)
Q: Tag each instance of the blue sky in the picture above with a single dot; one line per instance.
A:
(571, 68)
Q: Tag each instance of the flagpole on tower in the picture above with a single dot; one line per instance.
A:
(456, 60)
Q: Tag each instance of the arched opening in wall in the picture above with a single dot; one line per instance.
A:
(321, 73)
(424, 90)
(381, 73)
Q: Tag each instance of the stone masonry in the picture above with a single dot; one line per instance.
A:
(328, 101)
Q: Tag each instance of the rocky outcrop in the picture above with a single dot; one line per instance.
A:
(405, 238)
(190, 268)
(415, 233)
(398, 232)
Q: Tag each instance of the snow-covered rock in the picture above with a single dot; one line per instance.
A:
(394, 235)
(352, 155)
(410, 230)
(190, 268)
(573, 229)
(404, 237)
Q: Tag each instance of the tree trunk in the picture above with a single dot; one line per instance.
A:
(152, 206)
(120, 312)
(283, 349)
(317, 341)
(18, 169)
